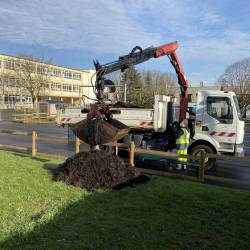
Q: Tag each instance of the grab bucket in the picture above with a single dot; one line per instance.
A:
(98, 131)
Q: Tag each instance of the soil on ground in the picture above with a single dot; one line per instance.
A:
(97, 169)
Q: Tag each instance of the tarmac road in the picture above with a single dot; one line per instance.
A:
(231, 169)
(50, 130)
(235, 169)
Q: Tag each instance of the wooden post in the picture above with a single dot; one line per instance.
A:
(116, 149)
(202, 164)
(78, 142)
(132, 154)
(34, 149)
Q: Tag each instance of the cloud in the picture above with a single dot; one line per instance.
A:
(96, 25)
(210, 18)
(208, 39)
(231, 45)
(103, 26)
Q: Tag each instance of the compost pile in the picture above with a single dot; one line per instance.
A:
(97, 169)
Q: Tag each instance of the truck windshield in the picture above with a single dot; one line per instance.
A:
(220, 108)
(237, 106)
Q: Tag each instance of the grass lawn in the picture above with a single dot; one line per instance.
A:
(165, 213)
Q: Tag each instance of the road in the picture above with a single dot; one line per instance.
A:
(50, 130)
(230, 169)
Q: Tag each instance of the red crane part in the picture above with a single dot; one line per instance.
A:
(169, 49)
(137, 56)
(166, 49)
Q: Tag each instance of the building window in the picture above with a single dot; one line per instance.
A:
(42, 70)
(26, 100)
(77, 76)
(10, 99)
(75, 88)
(67, 74)
(56, 86)
(11, 82)
(25, 66)
(16, 99)
(56, 72)
(29, 99)
(67, 88)
(9, 64)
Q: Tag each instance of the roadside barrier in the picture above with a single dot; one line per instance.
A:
(200, 158)
(21, 117)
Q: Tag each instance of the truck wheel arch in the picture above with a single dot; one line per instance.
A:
(198, 145)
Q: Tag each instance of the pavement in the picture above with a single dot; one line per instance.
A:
(229, 169)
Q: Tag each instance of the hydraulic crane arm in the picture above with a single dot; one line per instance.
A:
(137, 56)
(99, 127)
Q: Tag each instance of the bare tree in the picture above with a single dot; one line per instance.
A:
(165, 83)
(143, 86)
(155, 83)
(31, 76)
(237, 78)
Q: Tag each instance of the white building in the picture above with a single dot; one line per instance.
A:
(65, 84)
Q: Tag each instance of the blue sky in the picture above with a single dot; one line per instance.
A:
(211, 34)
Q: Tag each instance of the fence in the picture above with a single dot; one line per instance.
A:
(21, 117)
(201, 158)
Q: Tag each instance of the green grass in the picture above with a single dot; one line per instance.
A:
(165, 213)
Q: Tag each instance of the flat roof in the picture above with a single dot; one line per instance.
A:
(47, 63)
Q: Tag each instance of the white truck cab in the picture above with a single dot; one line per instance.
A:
(218, 121)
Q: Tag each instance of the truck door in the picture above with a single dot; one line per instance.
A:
(218, 120)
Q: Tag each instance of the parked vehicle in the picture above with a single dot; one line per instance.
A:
(217, 124)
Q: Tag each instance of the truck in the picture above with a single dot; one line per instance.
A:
(214, 119)
(218, 126)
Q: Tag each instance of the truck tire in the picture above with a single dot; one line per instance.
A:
(210, 163)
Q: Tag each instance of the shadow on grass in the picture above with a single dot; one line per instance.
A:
(101, 220)
(31, 157)
(53, 168)
(161, 214)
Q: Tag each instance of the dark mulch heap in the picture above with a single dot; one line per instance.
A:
(97, 169)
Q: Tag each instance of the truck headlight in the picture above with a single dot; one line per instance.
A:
(239, 150)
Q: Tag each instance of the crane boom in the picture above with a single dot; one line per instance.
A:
(137, 56)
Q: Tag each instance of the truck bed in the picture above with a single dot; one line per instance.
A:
(132, 117)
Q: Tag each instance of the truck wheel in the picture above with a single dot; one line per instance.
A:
(195, 151)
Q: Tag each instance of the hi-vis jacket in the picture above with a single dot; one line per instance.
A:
(182, 143)
(182, 140)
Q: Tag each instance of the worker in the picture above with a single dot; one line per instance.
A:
(182, 143)
(171, 144)
(191, 121)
